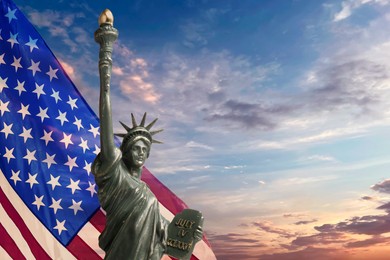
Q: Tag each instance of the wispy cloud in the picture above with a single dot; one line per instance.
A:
(347, 7)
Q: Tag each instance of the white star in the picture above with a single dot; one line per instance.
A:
(91, 188)
(12, 39)
(84, 144)
(39, 90)
(47, 136)
(55, 205)
(67, 140)
(16, 63)
(8, 154)
(76, 206)
(54, 181)
(77, 122)
(0, 35)
(24, 110)
(11, 15)
(15, 177)
(32, 179)
(52, 73)
(2, 57)
(94, 130)
(30, 156)
(7, 130)
(20, 87)
(49, 160)
(87, 167)
(34, 67)
(97, 150)
(56, 95)
(43, 113)
(32, 43)
(38, 201)
(26, 134)
(62, 117)
(60, 227)
(72, 102)
(71, 163)
(3, 107)
(3, 84)
(74, 185)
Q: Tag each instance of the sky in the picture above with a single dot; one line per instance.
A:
(275, 113)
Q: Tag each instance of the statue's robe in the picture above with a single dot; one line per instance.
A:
(135, 229)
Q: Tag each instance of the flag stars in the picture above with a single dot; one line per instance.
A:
(20, 87)
(62, 117)
(52, 73)
(16, 63)
(38, 201)
(2, 58)
(49, 160)
(77, 122)
(32, 179)
(39, 90)
(12, 39)
(56, 96)
(11, 15)
(9, 154)
(94, 130)
(76, 206)
(24, 110)
(43, 113)
(91, 189)
(72, 102)
(26, 134)
(87, 167)
(71, 163)
(30, 156)
(55, 205)
(3, 83)
(54, 182)
(7, 130)
(15, 177)
(67, 140)
(34, 67)
(84, 144)
(74, 185)
(32, 43)
(60, 226)
(47, 136)
(97, 150)
(3, 107)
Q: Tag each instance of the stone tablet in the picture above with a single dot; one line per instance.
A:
(183, 232)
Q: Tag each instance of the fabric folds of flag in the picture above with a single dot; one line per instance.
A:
(49, 138)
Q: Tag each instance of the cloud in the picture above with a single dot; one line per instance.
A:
(375, 240)
(269, 227)
(383, 187)
(320, 239)
(193, 144)
(350, 5)
(305, 222)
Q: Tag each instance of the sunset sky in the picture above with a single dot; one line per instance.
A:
(276, 113)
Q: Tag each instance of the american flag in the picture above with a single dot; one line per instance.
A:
(49, 138)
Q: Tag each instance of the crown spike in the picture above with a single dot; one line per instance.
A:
(156, 142)
(151, 124)
(143, 120)
(125, 126)
(133, 120)
(156, 132)
(120, 135)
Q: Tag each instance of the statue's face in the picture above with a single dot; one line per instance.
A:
(139, 153)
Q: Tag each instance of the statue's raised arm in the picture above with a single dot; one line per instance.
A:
(105, 36)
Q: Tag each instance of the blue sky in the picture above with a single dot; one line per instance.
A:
(275, 113)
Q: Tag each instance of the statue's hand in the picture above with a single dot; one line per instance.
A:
(198, 234)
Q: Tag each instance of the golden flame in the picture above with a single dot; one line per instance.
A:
(106, 17)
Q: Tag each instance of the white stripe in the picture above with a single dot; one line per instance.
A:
(201, 250)
(4, 255)
(15, 234)
(91, 236)
(47, 241)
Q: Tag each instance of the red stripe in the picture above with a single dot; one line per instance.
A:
(36, 249)
(9, 244)
(81, 250)
(98, 220)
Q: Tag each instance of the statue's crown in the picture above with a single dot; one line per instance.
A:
(139, 130)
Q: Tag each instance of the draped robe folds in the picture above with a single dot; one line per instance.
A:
(135, 228)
